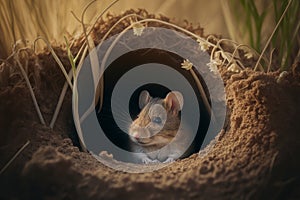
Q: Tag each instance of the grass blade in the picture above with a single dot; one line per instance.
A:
(14, 157)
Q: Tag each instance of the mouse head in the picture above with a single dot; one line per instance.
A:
(173, 102)
(158, 121)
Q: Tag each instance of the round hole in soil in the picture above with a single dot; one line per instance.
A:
(122, 65)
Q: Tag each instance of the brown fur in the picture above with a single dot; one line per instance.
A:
(146, 128)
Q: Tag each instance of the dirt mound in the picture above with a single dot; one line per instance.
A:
(254, 157)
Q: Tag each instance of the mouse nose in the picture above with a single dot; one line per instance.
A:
(135, 135)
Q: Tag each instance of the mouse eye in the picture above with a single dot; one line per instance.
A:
(156, 120)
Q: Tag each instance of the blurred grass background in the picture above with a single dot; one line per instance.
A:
(247, 21)
(52, 19)
(252, 22)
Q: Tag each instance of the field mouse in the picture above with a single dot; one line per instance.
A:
(156, 126)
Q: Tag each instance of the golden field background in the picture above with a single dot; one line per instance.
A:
(22, 20)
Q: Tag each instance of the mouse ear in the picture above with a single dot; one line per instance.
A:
(174, 102)
(144, 99)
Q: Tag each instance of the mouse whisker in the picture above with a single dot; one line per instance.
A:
(119, 118)
(120, 113)
(126, 119)
(122, 122)
(121, 108)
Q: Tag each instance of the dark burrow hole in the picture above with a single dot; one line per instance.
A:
(125, 63)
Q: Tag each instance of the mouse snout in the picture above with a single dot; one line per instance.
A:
(139, 134)
(134, 132)
(135, 135)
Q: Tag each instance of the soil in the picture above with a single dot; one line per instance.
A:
(256, 155)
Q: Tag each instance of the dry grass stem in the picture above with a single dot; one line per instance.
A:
(14, 157)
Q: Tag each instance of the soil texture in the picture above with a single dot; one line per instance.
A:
(256, 155)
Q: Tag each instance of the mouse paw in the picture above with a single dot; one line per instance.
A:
(147, 160)
(169, 160)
